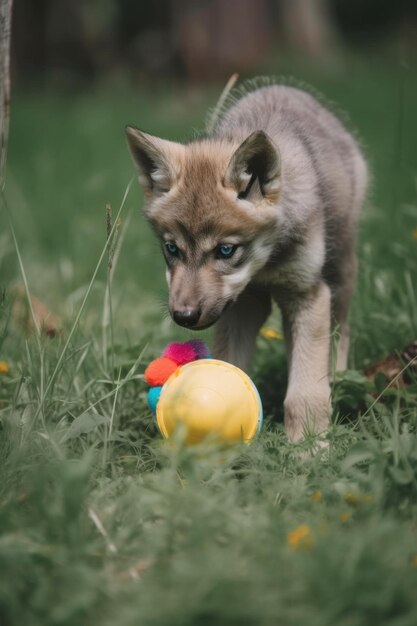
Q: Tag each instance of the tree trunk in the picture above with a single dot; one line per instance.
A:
(5, 32)
(309, 28)
(216, 38)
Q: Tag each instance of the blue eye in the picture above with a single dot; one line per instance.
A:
(226, 250)
(172, 248)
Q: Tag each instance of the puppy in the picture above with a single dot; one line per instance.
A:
(262, 209)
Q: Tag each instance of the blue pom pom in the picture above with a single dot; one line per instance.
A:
(153, 397)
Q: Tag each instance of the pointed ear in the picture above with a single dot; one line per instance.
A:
(157, 160)
(255, 169)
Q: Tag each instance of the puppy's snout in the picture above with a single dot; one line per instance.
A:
(187, 317)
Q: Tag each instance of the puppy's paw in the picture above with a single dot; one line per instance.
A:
(307, 413)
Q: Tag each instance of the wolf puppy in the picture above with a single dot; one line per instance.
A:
(264, 208)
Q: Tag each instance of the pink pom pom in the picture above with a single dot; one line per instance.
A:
(181, 353)
(200, 348)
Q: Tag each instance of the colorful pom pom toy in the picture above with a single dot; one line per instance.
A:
(158, 372)
(207, 396)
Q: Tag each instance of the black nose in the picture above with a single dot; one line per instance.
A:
(187, 317)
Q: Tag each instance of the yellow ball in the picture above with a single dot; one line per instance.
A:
(210, 397)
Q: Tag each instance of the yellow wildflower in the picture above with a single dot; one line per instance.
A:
(316, 496)
(356, 497)
(414, 561)
(300, 537)
(4, 367)
(344, 517)
(414, 234)
(270, 333)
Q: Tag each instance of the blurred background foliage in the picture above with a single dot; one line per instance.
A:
(195, 40)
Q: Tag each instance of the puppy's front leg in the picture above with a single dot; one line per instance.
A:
(307, 334)
(235, 332)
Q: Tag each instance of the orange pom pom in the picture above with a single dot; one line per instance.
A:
(158, 371)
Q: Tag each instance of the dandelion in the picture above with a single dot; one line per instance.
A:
(414, 561)
(316, 496)
(4, 367)
(356, 497)
(270, 333)
(300, 537)
(345, 517)
(414, 234)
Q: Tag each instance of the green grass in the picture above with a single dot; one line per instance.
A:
(100, 521)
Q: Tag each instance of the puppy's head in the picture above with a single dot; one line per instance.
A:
(212, 205)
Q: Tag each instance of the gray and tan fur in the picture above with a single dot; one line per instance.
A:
(280, 182)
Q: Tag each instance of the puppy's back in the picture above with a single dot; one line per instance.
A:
(322, 164)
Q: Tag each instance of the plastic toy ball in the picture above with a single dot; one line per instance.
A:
(210, 398)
